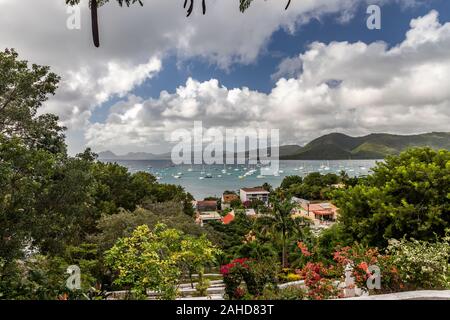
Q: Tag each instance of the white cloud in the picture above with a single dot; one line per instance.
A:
(356, 88)
(135, 40)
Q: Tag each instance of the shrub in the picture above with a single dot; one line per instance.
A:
(289, 293)
(317, 279)
(202, 287)
(255, 273)
(421, 264)
(233, 276)
(360, 258)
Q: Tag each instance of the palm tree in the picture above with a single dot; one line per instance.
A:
(245, 4)
(94, 4)
(191, 6)
(280, 221)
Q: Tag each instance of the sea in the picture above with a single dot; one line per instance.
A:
(212, 180)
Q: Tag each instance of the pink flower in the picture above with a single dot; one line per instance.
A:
(304, 249)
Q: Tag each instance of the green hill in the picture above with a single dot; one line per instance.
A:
(338, 146)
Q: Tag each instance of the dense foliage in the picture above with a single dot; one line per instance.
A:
(127, 231)
(52, 203)
(407, 195)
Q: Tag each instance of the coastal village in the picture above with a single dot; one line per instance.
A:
(321, 214)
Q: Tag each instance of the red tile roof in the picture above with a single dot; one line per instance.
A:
(227, 198)
(228, 218)
(323, 212)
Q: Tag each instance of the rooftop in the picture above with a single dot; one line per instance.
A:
(228, 218)
(211, 204)
(255, 190)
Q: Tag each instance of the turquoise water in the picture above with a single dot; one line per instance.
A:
(233, 177)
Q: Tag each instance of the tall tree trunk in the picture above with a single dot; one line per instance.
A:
(94, 19)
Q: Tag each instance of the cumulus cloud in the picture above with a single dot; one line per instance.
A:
(134, 42)
(355, 88)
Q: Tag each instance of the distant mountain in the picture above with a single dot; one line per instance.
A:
(334, 146)
(338, 146)
(108, 155)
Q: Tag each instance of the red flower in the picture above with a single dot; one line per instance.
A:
(304, 249)
(363, 266)
(225, 269)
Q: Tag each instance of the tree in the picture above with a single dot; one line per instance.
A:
(44, 195)
(281, 222)
(406, 196)
(154, 259)
(288, 181)
(245, 4)
(94, 4)
(266, 186)
(23, 89)
(314, 186)
(147, 260)
(195, 254)
(115, 226)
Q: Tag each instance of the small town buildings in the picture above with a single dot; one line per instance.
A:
(207, 216)
(226, 200)
(205, 211)
(258, 193)
(316, 211)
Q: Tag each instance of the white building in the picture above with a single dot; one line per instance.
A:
(249, 194)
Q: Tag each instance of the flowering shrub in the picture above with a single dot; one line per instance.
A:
(233, 275)
(360, 258)
(304, 249)
(317, 280)
(227, 268)
(255, 274)
(421, 264)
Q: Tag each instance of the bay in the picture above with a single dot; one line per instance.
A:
(213, 180)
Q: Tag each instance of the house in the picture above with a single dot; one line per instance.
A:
(321, 211)
(226, 200)
(205, 211)
(205, 205)
(206, 216)
(258, 193)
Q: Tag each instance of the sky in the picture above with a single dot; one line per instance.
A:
(308, 71)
